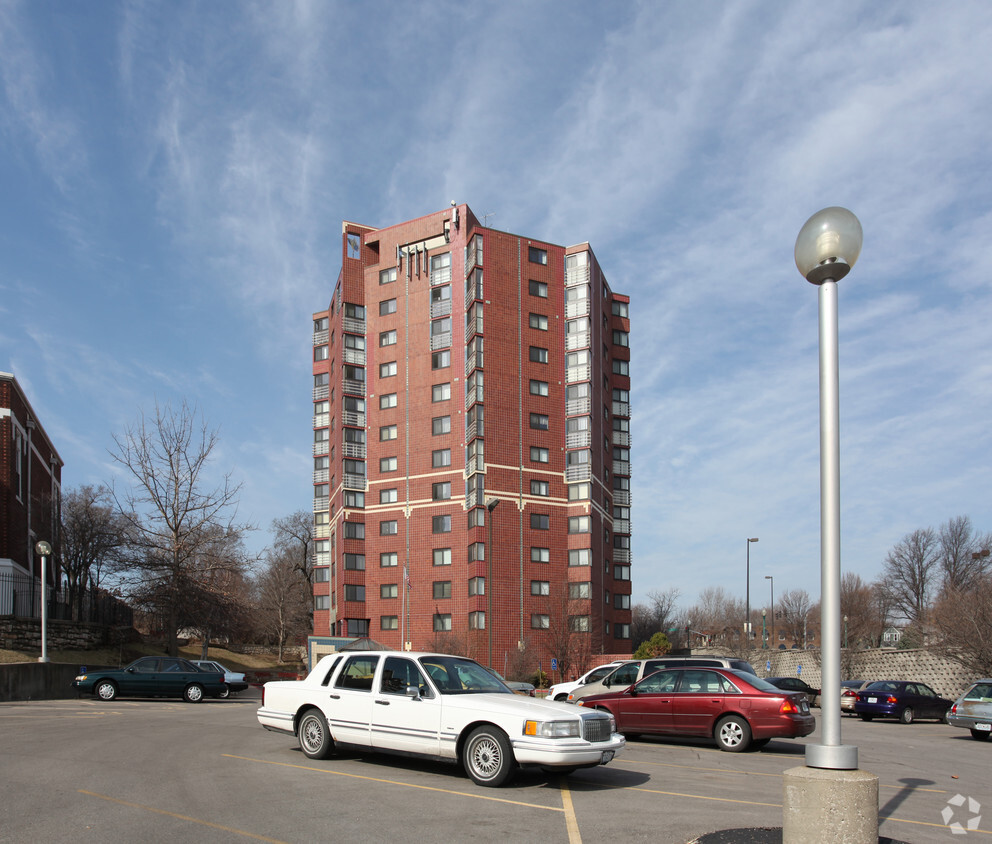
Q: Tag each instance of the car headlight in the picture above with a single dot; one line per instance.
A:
(552, 729)
(80, 678)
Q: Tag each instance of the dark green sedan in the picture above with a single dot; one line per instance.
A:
(153, 676)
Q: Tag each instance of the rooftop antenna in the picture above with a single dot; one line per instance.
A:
(486, 216)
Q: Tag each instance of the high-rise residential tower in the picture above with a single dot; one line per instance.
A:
(472, 444)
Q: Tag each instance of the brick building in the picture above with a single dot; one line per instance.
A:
(472, 444)
(30, 495)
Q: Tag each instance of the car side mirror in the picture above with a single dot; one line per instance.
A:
(130, 671)
(633, 691)
(413, 692)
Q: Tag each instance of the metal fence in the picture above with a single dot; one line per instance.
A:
(20, 596)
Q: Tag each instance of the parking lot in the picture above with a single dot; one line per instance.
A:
(157, 770)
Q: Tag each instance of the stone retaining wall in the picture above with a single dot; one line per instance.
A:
(24, 634)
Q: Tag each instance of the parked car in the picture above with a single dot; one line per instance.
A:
(630, 672)
(153, 676)
(973, 710)
(236, 682)
(518, 686)
(849, 694)
(559, 691)
(794, 684)
(900, 699)
(437, 706)
(736, 709)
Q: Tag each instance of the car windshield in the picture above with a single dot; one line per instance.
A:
(980, 691)
(458, 676)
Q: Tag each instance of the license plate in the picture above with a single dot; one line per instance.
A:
(985, 728)
(607, 757)
(873, 700)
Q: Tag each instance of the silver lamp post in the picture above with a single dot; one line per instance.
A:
(44, 550)
(747, 594)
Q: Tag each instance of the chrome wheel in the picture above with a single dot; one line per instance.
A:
(488, 758)
(315, 737)
(106, 690)
(733, 734)
(907, 716)
(193, 693)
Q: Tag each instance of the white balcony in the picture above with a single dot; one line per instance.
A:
(621, 555)
(322, 558)
(323, 447)
(354, 482)
(354, 418)
(621, 438)
(577, 275)
(621, 525)
(578, 439)
(321, 504)
(321, 393)
(353, 387)
(577, 374)
(621, 498)
(578, 407)
(472, 396)
(321, 476)
(582, 472)
(475, 464)
(352, 325)
(355, 450)
(441, 276)
(621, 408)
(473, 430)
(580, 307)
(441, 341)
(473, 291)
(321, 420)
(356, 356)
(440, 309)
(473, 327)
(320, 337)
(577, 341)
(621, 467)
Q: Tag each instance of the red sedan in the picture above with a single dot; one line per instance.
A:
(735, 709)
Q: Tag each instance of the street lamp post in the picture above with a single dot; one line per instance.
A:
(829, 799)
(490, 506)
(44, 550)
(764, 632)
(747, 594)
(771, 578)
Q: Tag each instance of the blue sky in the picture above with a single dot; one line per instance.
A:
(173, 178)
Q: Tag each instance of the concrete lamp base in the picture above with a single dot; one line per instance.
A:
(829, 806)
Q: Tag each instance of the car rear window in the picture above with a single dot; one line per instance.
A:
(740, 665)
(980, 691)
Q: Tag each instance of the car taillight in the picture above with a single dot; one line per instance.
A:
(954, 709)
(788, 708)
(849, 693)
(891, 699)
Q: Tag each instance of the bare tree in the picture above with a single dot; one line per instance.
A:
(566, 640)
(963, 619)
(796, 611)
(657, 616)
(284, 610)
(721, 617)
(295, 533)
(92, 535)
(910, 574)
(858, 609)
(962, 563)
(179, 529)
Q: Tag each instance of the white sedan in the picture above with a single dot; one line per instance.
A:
(436, 706)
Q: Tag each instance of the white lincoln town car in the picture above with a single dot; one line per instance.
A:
(436, 706)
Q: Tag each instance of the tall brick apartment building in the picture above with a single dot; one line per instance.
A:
(472, 443)
(30, 495)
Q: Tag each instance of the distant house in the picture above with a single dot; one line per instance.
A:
(891, 637)
(30, 500)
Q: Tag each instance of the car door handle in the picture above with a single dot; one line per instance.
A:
(335, 697)
(383, 702)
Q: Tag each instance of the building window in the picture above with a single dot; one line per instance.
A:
(536, 255)
(441, 524)
(353, 498)
(538, 321)
(538, 388)
(357, 627)
(621, 367)
(441, 425)
(579, 623)
(580, 557)
(321, 324)
(539, 288)
(621, 602)
(387, 338)
(387, 306)
(440, 392)
(354, 341)
(540, 587)
(354, 562)
(539, 455)
(621, 572)
(538, 355)
(540, 488)
(441, 360)
(387, 400)
(387, 464)
(477, 517)
(388, 369)
(441, 458)
(476, 552)
(389, 528)
(540, 521)
(579, 591)
(476, 586)
(540, 555)
(322, 602)
(387, 276)
(621, 338)
(441, 491)
(442, 589)
(320, 353)
(321, 574)
(388, 559)
(442, 556)
(389, 590)
(540, 621)
(354, 592)
(621, 631)
(579, 492)
(539, 421)
(354, 530)
(389, 622)
(579, 524)
(442, 622)
(619, 309)
(477, 620)
(388, 432)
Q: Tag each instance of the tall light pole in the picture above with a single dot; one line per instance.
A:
(490, 506)
(44, 550)
(771, 578)
(747, 594)
(829, 799)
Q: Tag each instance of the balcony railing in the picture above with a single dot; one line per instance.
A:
(440, 309)
(621, 498)
(473, 430)
(473, 361)
(582, 472)
(578, 407)
(441, 341)
(621, 525)
(621, 467)
(577, 341)
(354, 481)
(354, 418)
(322, 558)
(475, 464)
(353, 387)
(321, 504)
(578, 439)
(621, 408)
(577, 275)
(321, 476)
(356, 450)
(356, 356)
(321, 420)
(621, 438)
(580, 307)
(320, 337)
(353, 326)
(473, 327)
(577, 374)
(473, 395)
(323, 447)
(441, 276)
(473, 290)
(621, 555)
(321, 393)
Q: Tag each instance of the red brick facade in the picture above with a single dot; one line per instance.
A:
(30, 485)
(470, 382)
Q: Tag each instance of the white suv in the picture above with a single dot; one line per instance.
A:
(560, 690)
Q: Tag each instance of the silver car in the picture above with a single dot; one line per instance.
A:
(973, 710)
